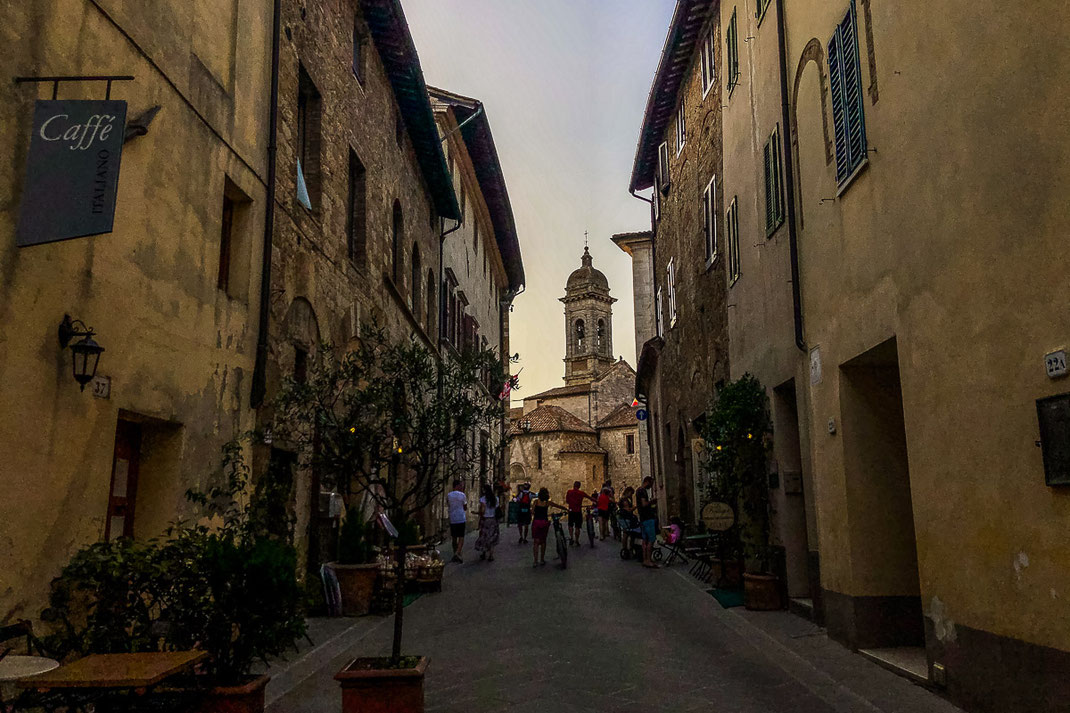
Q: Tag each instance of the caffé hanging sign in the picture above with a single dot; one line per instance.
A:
(72, 172)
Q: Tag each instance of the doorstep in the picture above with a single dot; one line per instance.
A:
(907, 661)
(801, 606)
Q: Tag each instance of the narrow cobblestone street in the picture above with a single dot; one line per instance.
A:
(604, 635)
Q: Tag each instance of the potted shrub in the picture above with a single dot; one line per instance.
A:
(226, 585)
(356, 568)
(738, 434)
(391, 420)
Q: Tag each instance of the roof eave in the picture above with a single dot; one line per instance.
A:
(390, 32)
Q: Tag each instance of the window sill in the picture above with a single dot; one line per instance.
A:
(850, 179)
(706, 91)
(732, 282)
(711, 262)
(762, 14)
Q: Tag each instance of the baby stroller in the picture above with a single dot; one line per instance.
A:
(630, 533)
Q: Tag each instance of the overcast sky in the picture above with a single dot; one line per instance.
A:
(564, 83)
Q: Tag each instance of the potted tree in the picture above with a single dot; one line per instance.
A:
(392, 422)
(226, 584)
(355, 568)
(738, 434)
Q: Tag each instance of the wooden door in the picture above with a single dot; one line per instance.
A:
(121, 498)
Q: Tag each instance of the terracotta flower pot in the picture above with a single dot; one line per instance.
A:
(357, 585)
(366, 689)
(761, 592)
(248, 698)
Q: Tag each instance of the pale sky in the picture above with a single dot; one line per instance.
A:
(564, 83)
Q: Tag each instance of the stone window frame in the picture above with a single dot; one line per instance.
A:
(417, 280)
(309, 135)
(629, 443)
(359, 44)
(659, 322)
(356, 211)
(397, 233)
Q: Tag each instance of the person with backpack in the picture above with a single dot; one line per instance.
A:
(523, 512)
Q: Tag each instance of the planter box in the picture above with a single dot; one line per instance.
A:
(371, 690)
(357, 585)
(248, 698)
(761, 592)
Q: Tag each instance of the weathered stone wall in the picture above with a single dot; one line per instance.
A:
(579, 405)
(616, 387)
(695, 355)
(559, 470)
(624, 468)
(317, 291)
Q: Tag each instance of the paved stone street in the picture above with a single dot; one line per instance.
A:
(604, 635)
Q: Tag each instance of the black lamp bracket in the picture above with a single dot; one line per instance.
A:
(69, 329)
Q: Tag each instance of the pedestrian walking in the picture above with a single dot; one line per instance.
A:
(488, 524)
(457, 503)
(605, 501)
(540, 524)
(626, 514)
(574, 499)
(523, 511)
(648, 519)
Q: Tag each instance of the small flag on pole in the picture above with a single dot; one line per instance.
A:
(635, 402)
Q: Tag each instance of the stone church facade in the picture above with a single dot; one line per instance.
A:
(585, 430)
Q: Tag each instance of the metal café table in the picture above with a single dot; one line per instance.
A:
(14, 667)
(103, 678)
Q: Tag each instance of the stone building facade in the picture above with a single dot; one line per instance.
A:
(587, 429)
(362, 196)
(862, 210)
(679, 157)
(179, 332)
(481, 263)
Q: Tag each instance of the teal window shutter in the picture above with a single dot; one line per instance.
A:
(845, 80)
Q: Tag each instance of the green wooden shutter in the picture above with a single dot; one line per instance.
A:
(845, 80)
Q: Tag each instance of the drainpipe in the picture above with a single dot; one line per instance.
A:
(260, 368)
(477, 112)
(789, 178)
(650, 434)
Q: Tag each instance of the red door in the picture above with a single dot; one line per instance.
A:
(120, 521)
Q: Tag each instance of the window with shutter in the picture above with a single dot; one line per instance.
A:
(659, 326)
(774, 189)
(681, 129)
(670, 282)
(731, 220)
(709, 75)
(845, 82)
(663, 167)
(732, 51)
(709, 220)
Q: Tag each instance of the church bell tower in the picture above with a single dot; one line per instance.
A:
(588, 324)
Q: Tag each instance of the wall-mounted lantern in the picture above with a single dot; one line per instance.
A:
(525, 425)
(86, 351)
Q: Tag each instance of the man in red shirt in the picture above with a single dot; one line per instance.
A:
(574, 499)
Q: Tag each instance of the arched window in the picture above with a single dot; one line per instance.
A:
(432, 315)
(601, 340)
(580, 334)
(397, 234)
(417, 274)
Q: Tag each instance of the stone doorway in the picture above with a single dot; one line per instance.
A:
(884, 609)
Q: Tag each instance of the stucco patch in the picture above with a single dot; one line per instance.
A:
(943, 626)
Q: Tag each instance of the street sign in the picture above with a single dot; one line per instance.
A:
(718, 516)
(72, 172)
(641, 414)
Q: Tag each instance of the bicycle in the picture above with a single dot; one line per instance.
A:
(559, 540)
(590, 527)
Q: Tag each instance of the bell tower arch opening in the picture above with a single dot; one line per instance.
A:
(588, 323)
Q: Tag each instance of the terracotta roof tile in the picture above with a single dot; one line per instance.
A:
(621, 416)
(547, 419)
(562, 391)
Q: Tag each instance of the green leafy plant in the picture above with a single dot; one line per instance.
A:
(226, 584)
(392, 420)
(738, 433)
